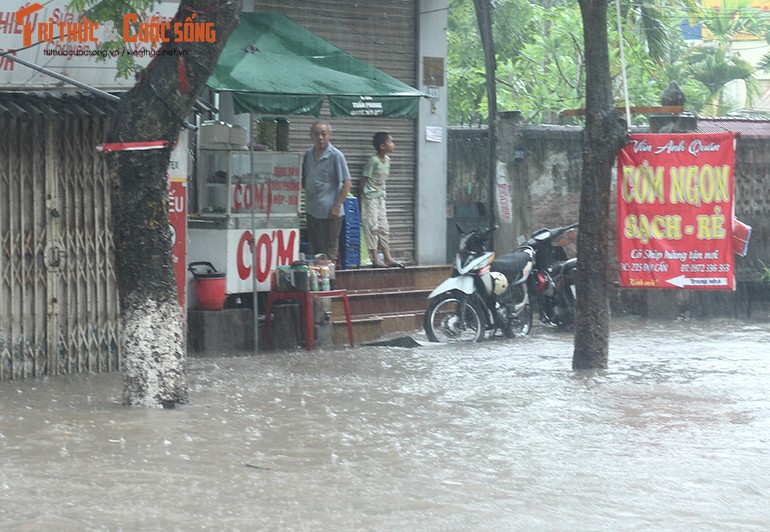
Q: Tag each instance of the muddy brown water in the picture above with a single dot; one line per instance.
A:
(496, 436)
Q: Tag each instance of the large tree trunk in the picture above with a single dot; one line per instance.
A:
(154, 109)
(605, 133)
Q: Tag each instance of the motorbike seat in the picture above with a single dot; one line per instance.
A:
(511, 264)
(558, 267)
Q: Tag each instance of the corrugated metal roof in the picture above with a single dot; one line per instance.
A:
(750, 128)
(48, 103)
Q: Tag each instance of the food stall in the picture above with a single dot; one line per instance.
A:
(246, 200)
(272, 66)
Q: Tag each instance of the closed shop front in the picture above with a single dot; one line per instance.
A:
(383, 34)
(58, 297)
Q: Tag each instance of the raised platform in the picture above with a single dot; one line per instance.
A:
(385, 301)
(382, 301)
(219, 332)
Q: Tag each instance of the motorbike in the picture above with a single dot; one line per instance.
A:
(480, 297)
(553, 276)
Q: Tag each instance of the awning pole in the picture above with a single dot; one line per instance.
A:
(254, 249)
(216, 104)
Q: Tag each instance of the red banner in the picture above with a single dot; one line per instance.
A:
(675, 211)
(177, 213)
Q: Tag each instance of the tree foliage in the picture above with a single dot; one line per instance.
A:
(541, 58)
(715, 64)
(111, 12)
(467, 98)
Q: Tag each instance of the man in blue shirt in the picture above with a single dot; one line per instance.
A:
(326, 180)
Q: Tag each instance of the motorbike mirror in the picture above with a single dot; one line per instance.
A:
(481, 208)
(459, 228)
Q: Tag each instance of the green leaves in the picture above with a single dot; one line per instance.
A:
(540, 62)
(111, 12)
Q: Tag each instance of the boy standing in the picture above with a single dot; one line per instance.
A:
(372, 194)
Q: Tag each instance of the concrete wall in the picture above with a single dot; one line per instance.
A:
(543, 164)
(430, 201)
(545, 177)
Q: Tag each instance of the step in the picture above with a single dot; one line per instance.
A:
(423, 277)
(370, 328)
(385, 301)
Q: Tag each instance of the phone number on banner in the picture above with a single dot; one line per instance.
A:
(684, 268)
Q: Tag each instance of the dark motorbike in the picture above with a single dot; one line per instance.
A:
(479, 298)
(553, 277)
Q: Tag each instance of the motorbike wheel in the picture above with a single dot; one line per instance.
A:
(569, 305)
(518, 326)
(443, 322)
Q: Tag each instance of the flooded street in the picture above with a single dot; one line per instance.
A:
(494, 436)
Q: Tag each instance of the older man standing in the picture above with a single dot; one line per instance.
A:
(326, 180)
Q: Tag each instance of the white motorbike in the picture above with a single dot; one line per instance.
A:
(480, 298)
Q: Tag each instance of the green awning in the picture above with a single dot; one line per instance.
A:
(272, 65)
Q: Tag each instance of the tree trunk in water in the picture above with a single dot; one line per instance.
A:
(605, 133)
(152, 336)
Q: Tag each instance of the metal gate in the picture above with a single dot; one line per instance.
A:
(58, 296)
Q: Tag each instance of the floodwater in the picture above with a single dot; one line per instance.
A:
(497, 436)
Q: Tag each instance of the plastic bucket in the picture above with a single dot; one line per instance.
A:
(209, 286)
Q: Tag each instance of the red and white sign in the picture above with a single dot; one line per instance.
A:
(177, 212)
(230, 250)
(675, 211)
(504, 201)
(273, 247)
(275, 196)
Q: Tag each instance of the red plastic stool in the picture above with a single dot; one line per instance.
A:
(307, 311)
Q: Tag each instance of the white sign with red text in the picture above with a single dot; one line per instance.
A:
(230, 250)
(504, 201)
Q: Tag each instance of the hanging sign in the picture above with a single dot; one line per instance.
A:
(504, 201)
(176, 176)
(675, 211)
(390, 106)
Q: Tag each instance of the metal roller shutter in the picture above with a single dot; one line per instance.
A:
(383, 34)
